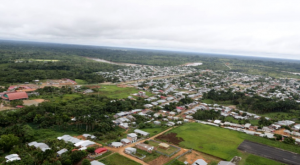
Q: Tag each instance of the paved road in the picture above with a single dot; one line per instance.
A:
(270, 152)
(121, 149)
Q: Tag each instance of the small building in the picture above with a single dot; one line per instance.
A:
(96, 162)
(100, 151)
(60, 152)
(145, 147)
(164, 145)
(88, 91)
(41, 146)
(84, 143)
(199, 162)
(10, 96)
(125, 141)
(157, 122)
(143, 133)
(132, 137)
(130, 150)
(116, 144)
(12, 157)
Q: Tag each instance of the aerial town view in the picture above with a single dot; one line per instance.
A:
(149, 82)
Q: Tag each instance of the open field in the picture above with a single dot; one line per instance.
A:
(165, 151)
(221, 142)
(116, 159)
(80, 82)
(270, 152)
(113, 91)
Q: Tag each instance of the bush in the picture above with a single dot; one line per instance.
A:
(146, 142)
(91, 149)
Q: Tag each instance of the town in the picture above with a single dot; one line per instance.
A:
(173, 97)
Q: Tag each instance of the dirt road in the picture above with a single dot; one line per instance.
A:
(121, 149)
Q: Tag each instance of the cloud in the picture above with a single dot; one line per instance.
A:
(264, 28)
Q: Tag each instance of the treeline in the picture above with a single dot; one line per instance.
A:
(256, 103)
(25, 65)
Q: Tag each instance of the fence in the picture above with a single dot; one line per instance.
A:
(168, 155)
(189, 151)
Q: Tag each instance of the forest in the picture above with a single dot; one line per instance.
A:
(255, 104)
(26, 61)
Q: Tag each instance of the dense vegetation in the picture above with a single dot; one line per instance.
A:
(256, 103)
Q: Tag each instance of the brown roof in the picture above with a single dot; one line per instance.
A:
(15, 96)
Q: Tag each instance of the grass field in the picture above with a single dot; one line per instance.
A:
(154, 131)
(221, 142)
(116, 159)
(80, 82)
(149, 156)
(113, 91)
(165, 151)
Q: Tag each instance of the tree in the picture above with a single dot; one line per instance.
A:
(289, 140)
(86, 162)
(76, 156)
(8, 141)
(91, 149)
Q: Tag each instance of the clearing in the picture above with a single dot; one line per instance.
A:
(113, 91)
(220, 142)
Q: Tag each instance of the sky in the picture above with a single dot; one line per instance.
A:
(266, 28)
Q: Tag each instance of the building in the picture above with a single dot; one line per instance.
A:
(41, 146)
(12, 157)
(60, 152)
(84, 143)
(132, 137)
(96, 162)
(145, 147)
(125, 141)
(164, 145)
(116, 144)
(199, 162)
(14, 96)
(130, 150)
(143, 133)
(100, 151)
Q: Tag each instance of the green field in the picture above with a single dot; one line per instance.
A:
(80, 82)
(112, 91)
(149, 156)
(116, 159)
(154, 131)
(221, 142)
(168, 151)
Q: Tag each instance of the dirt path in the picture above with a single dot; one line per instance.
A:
(121, 149)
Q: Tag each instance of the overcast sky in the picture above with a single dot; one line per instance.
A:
(251, 27)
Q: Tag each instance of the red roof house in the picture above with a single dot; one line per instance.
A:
(100, 150)
(15, 96)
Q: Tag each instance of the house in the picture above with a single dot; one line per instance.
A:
(10, 96)
(100, 151)
(297, 126)
(116, 144)
(68, 138)
(172, 113)
(145, 147)
(157, 122)
(143, 133)
(125, 141)
(60, 152)
(12, 157)
(41, 146)
(247, 125)
(132, 137)
(199, 162)
(96, 162)
(84, 143)
(164, 145)
(88, 91)
(89, 136)
(179, 122)
(130, 150)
